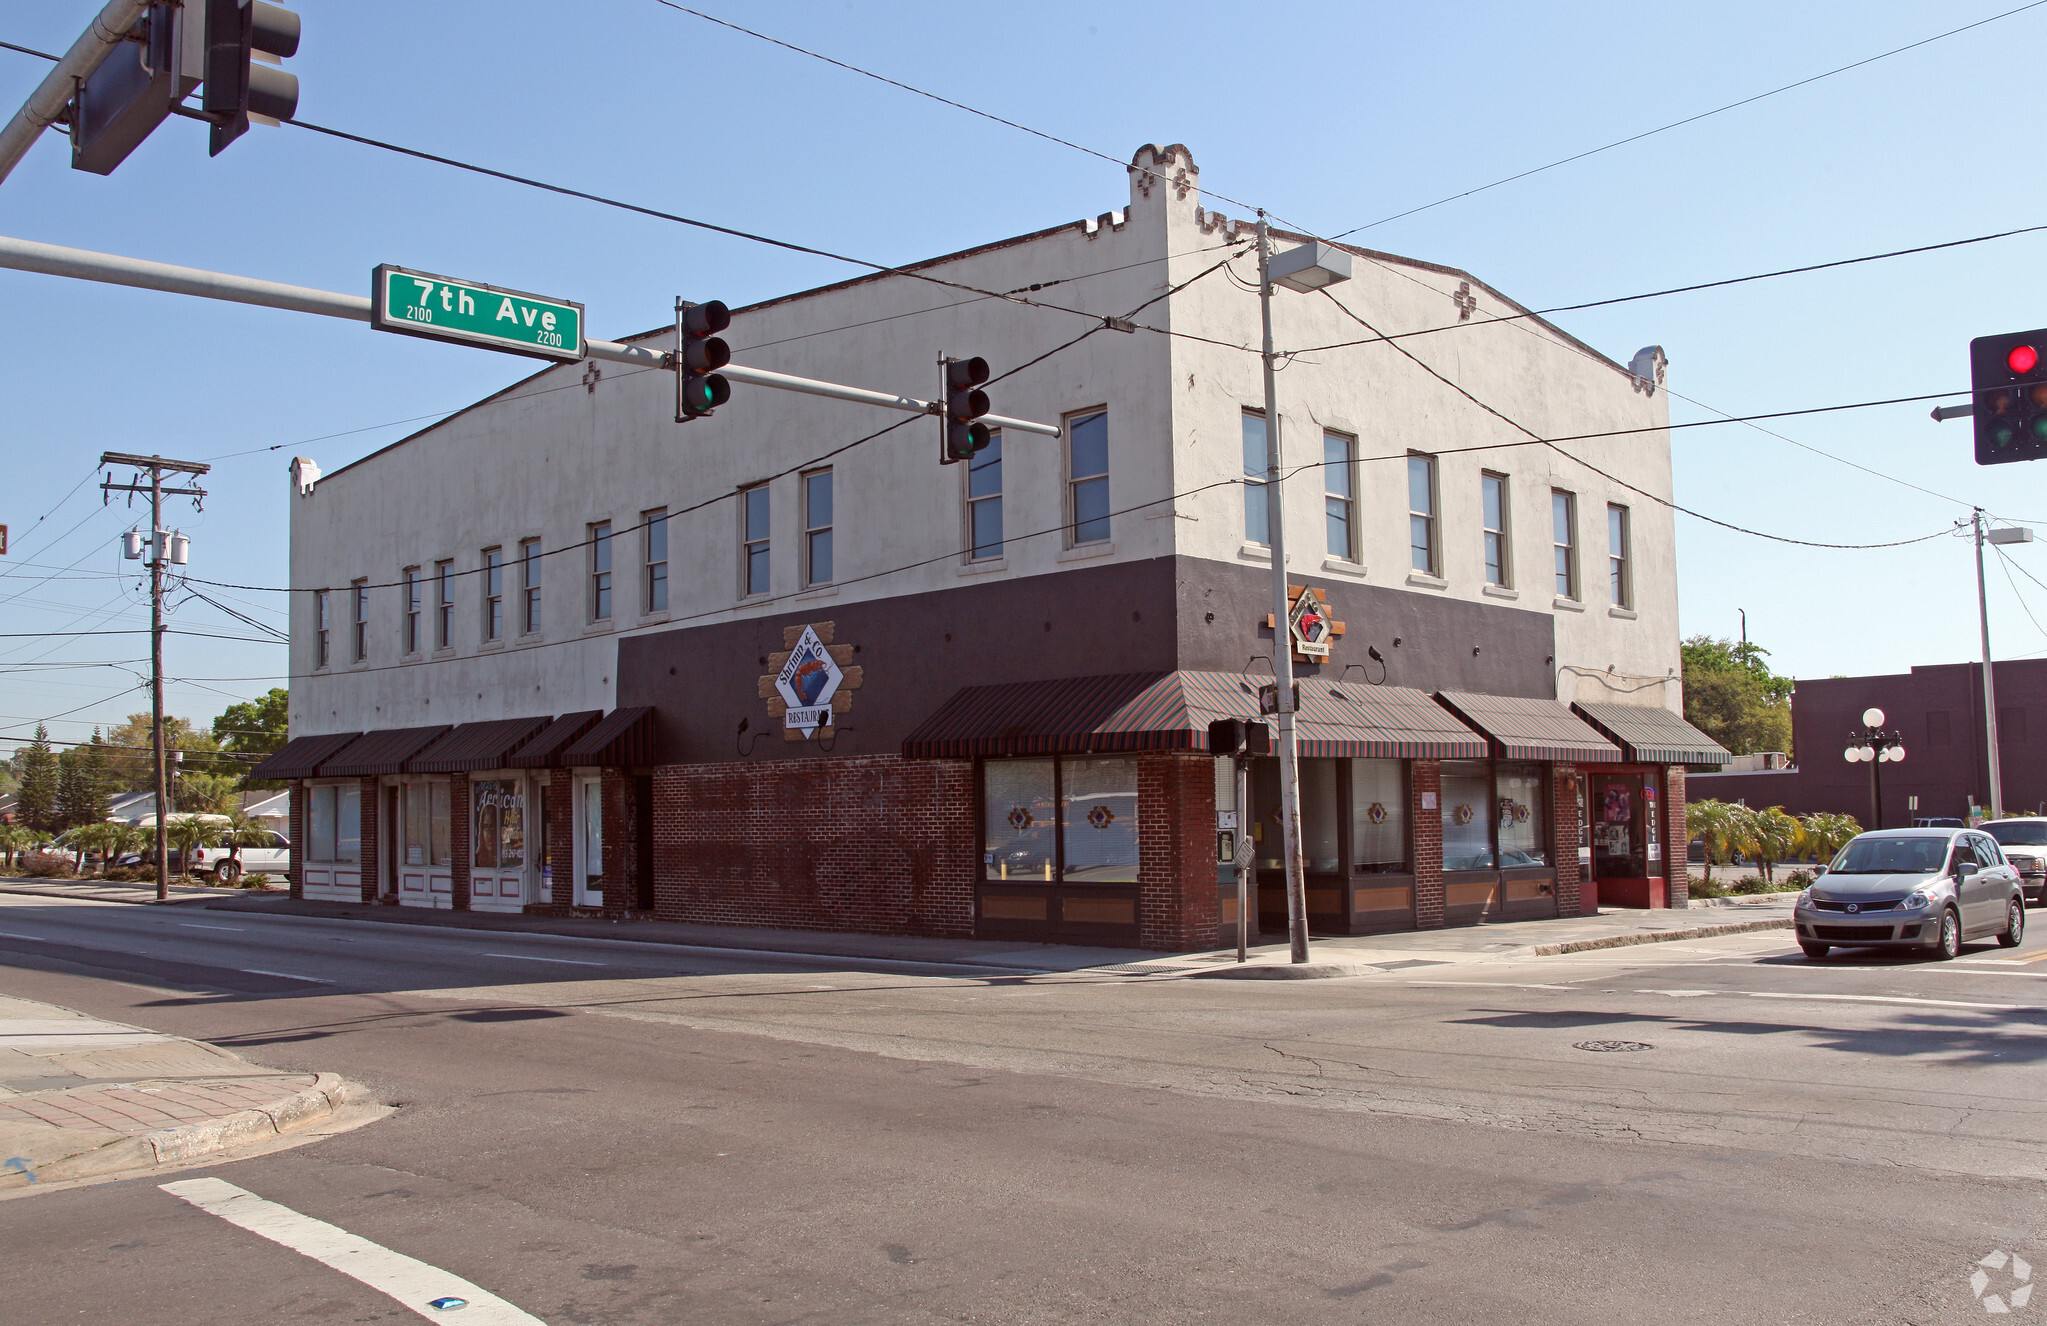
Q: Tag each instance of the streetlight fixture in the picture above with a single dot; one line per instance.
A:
(1307, 268)
(2009, 534)
(1875, 745)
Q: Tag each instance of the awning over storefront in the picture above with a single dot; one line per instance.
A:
(544, 751)
(1172, 711)
(301, 756)
(1528, 729)
(621, 737)
(1654, 736)
(476, 746)
(381, 752)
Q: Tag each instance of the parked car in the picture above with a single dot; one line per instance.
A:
(1913, 888)
(220, 865)
(2024, 840)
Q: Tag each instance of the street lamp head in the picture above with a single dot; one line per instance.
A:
(1897, 754)
(1309, 267)
(1852, 754)
(1872, 717)
(1865, 753)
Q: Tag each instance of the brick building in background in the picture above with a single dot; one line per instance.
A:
(558, 652)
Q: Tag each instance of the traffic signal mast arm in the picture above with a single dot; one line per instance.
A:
(46, 104)
(83, 264)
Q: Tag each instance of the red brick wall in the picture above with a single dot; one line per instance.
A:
(1427, 781)
(870, 843)
(297, 834)
(459, 815)
(561, 837)
(1176, 876)
(621, 853)
(372, 846)
(1676, 844)
(1564, 830)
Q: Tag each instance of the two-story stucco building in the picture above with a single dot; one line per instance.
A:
(775, 667)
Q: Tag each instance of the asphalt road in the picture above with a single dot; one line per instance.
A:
(608, 1132)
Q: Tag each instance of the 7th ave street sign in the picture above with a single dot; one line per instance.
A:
(442, 308)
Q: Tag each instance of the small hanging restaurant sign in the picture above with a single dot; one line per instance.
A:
(809, 688)
(1309, 625)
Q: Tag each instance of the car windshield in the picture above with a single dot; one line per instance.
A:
(1891, 856)
(2018, 833)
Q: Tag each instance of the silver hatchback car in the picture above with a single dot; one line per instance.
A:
(1913, 888)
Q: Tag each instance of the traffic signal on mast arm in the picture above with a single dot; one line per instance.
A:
(239, 86)
(2008, 374)
(964, 403)
(699, 354)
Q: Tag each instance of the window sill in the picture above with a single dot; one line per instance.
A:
(988, 566)
(1344, 567)
(748, 599)
(1625, 614)
(1255, 552)
(1500, 592)
(1425, 581)
(490, 646)
(1086, 551)
(532, 638)
(818, 592)
(655, 618)
(1567, 605)
(598, 628)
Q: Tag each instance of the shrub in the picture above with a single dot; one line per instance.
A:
(259, 880)
(118, 874)
(1751, 884)
(46, 865)
(1704, 889)
(1798, 879)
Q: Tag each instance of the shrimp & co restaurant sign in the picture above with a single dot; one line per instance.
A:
(812, 682)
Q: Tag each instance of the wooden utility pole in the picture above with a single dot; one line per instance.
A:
(158, 546)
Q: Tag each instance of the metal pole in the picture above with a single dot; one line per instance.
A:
(1876, 784)
(1989, 681)
(1247, 857)
(47, 102)
(157, 552)
(1282, 634)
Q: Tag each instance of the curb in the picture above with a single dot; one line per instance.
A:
(149, 901)
(190, 1141)
(1653, 937)
(1284, 971)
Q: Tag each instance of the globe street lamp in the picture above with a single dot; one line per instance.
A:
(1875, 745)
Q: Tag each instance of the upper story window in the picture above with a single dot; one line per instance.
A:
(321, 609)
(529, 585)
(1339, 494)
(600, 571)
(1257, 518)
(493, 593)
(410, 633)
(1421, 515)
(1087, 477)
(1499, 564)
(984, 500)
(817, 527)
(444, 604)
(753, 536)
(1563, 517)
(654, 592)
(359, 597)
(1619, 566)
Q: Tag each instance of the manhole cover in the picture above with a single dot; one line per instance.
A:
(1611, 1047)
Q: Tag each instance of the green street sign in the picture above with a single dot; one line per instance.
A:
(441, 308)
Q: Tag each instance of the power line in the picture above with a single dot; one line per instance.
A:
(1691, 119)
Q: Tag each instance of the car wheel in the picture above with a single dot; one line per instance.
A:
(2014, 924)
(1814, 951)
(1950, 942)
(227, 872)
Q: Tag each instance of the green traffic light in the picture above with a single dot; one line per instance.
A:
(2039, 427)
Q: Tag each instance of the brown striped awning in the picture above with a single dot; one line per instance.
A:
(380, 752)
(621, 737)
(1524, 728)
(469, 746)
(1654, 735)
(544, 751)
(300, 757)
(1172, 710)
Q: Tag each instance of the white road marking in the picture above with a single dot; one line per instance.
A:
(194, 925)
(406, 1279)
(289, 976)
(9, 934)
(1848, 998)
(526, 957)
(1493, 985)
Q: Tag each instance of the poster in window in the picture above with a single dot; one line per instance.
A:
(486, 849)
(1616, 807)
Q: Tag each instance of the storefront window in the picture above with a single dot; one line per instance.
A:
(418, 824)
(1617, 848)
(1378, 817)
(1652, 837)
(500, 823)
(441, 799)
(1523, 816)
(1098, 818)
(1020, 834)
(334, 823)
(1467, 815)
(1320, 823)
(320, 823)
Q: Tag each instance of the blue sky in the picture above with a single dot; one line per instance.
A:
(1329, 115)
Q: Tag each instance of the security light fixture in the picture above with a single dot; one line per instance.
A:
(1309, 267)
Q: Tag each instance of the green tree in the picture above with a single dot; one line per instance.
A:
(240, 832)
(36, 803)
(256, 727)
(187, 832)
(1732, 696)
(208, 793)
(1825, 833)
(1710, 822)
(98, 778)
(1772, 836)
(128, 750)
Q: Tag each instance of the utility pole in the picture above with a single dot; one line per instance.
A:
(159, 556)
(1989, 682)
(1282, 632)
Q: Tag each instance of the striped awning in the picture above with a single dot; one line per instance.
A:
(381, 752)
(1172, 710)
(301, 756)
(1522, 728)
(621, 737)
(1654, 736)
(469, 746)
(544, 751)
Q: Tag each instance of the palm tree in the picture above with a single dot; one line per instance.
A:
(101, 836)
(14, 839)
(1773, 835)
(240, 831)
(186, 834)
(1825, 833)
(1708, 821)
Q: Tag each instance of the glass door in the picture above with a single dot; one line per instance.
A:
(589, 867)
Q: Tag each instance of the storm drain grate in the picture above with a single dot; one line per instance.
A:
(1612, 1047)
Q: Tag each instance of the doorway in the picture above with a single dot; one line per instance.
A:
(1627, 841)
(589, 847)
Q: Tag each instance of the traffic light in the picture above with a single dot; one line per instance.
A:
(120, 103)
(238, 85)
(2010, 383)
(1239, 736)
(965, 403)
(699, 387)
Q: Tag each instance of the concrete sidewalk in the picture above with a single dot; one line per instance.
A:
(80, 1097)
(102, 890)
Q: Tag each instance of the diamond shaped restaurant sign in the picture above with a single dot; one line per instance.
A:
(807, 683)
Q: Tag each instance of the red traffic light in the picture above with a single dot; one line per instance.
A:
(2022, 359)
